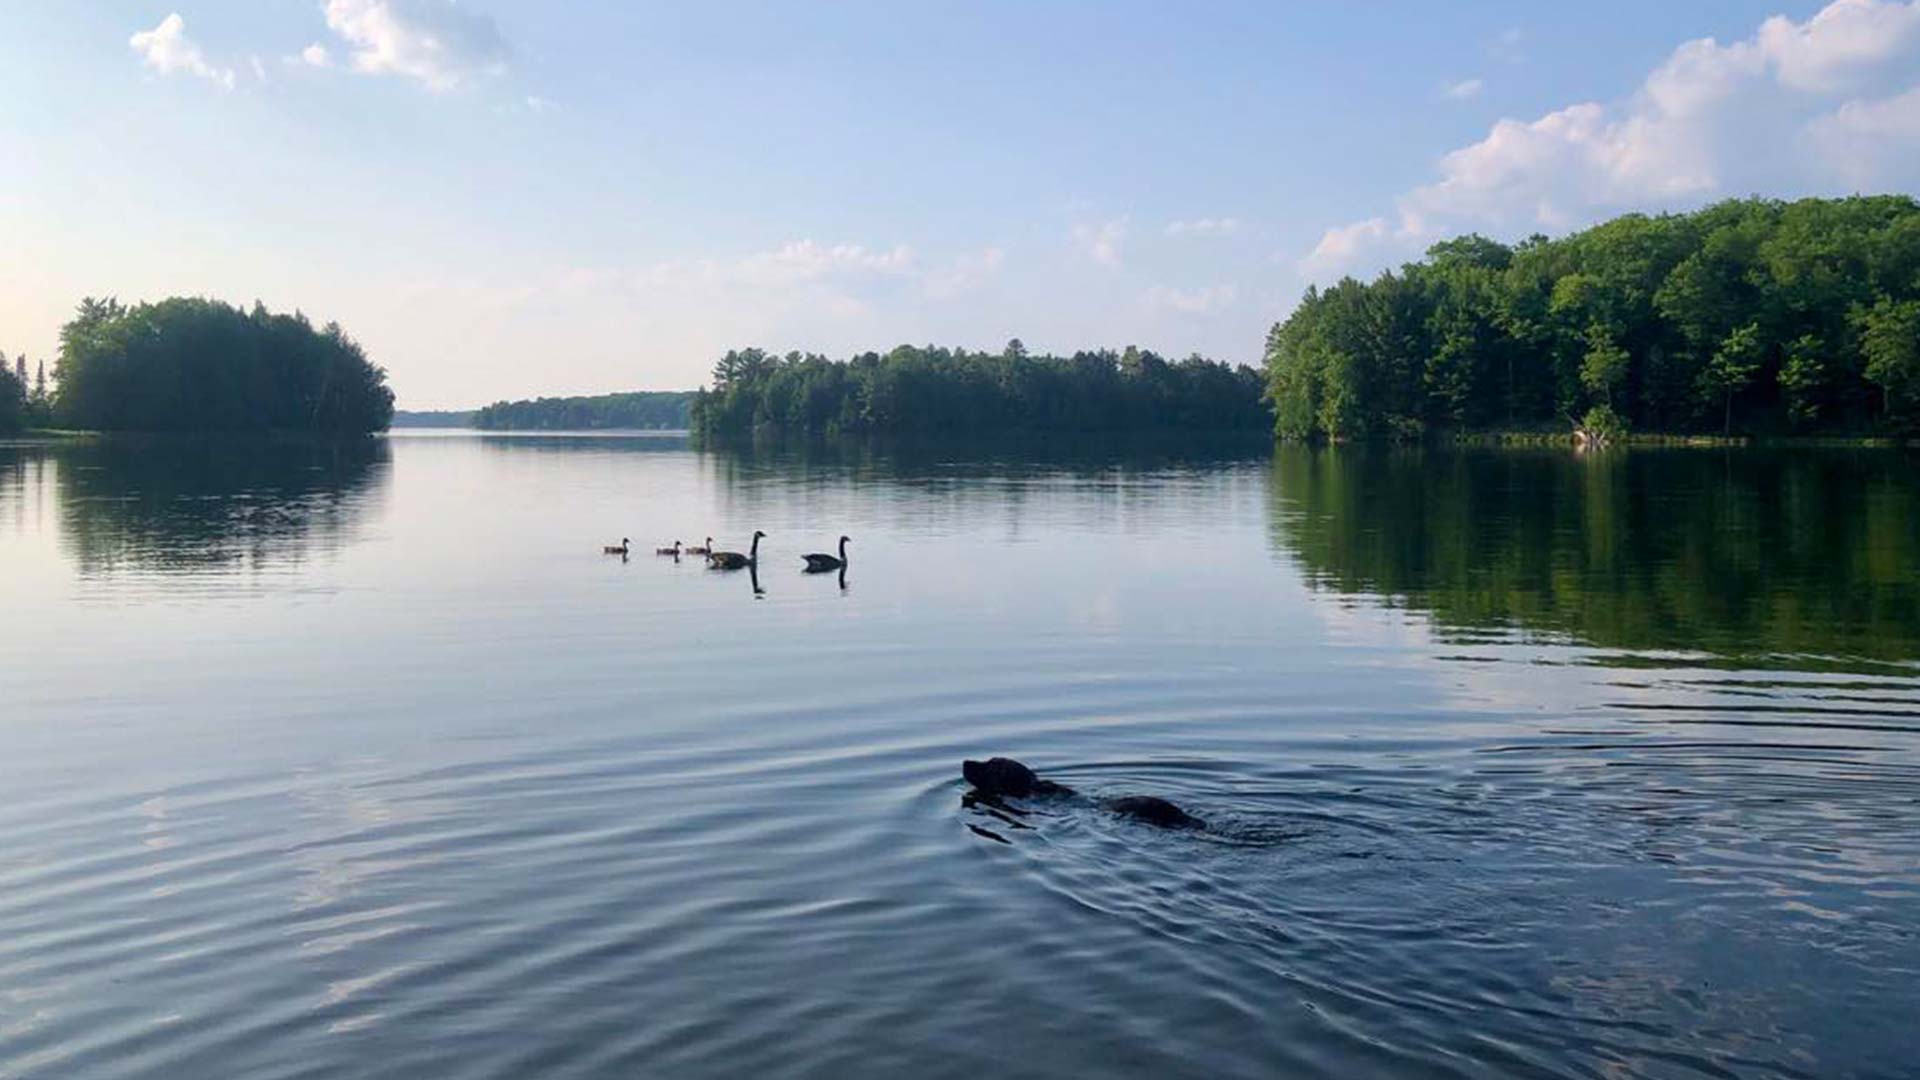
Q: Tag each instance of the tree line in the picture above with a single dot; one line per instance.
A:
(433, 418)
(929, 390)
(1750, 316)
(196, 365)
(650, 410)
(23, 404)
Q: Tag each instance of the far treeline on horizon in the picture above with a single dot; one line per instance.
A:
(1748, 317)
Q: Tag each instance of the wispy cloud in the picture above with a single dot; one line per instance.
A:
(965, 272)
(168, 50)
(1102, 241)
(804, 261)
(438, 42)
(1345, 246)
(1464, 90)
(1206, 226)
(1209, 300)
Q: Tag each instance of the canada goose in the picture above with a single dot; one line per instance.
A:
(619, 549)
(673, 551)
(733, 560)
(706, 549)
(820, 564)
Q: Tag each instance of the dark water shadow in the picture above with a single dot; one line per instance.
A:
(194, 506)
(1746, 552)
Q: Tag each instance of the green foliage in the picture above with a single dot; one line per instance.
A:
(644, 410)
(1603, 424)
(931, 391)
(1733, 366)
(1605, 366)
(13, 399)
(1749, 315)
(1890, 345)
(204, 366)
(1803, 379)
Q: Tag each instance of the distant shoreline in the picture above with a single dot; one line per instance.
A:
(1647, 439)
(1498, 439)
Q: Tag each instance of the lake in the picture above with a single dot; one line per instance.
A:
(365, 761)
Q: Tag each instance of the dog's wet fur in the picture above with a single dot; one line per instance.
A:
(997, 779)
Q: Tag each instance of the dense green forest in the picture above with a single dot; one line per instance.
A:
(1750, 316)
(648, 410)
(23, 403)
(929, 391)
(13, 400)
(204, 366)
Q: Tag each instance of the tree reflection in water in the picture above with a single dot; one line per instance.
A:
(199, 506)
(1805, 552)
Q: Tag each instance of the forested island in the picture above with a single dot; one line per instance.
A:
(196, 365)
(1751, 316)
(934, 391)
(645, 410)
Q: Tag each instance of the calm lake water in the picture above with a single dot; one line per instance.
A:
(365, 761)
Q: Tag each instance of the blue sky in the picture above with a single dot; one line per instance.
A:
(504, 198)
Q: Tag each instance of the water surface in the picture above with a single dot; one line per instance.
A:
(363, 760)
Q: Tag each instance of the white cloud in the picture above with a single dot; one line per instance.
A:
(259, 68)
(1102, 242)
(804, 261)
(1204, 301)
(824, 280)
(1875, 143)
(1896, 118)
(167, 50)
(316, 55)
(1835, 46)
(1206, 226)
(966, 272)
(1344, 246)
(437, 42)
(1819, 105)
(1464, 89)
(830, 281)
